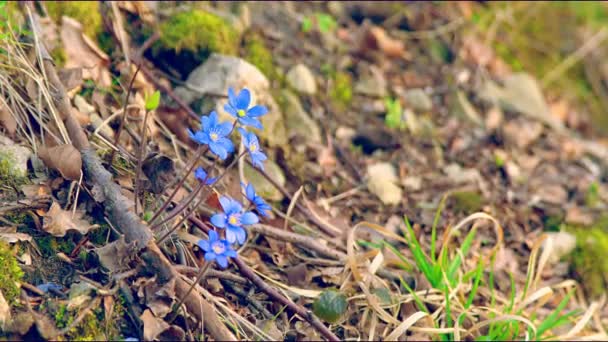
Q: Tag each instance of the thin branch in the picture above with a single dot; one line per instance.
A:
(124, 113)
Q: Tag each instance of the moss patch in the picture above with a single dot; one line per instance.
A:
(258, 54)
(10, 176)
(10, 275)
(341, 91)
(85, 12)
(588, 260)
(467, 201)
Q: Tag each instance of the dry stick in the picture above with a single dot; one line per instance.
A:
(124, 113)
(142, 148)
(116, 204)
(275, 295)
(180, 207)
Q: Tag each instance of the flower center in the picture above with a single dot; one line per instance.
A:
(218, 248)
(213, 136)
(241, 112)
(253, 147)
(233, 220)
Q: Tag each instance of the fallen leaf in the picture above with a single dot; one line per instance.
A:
(160, 170)
(377, 38)
(153, 326)
(81, 52)
(15, 237)
(64, 158)
(115, 256)
(58, 221)
(36, 190)
(560, 244)
(297, 275)
(71, 78)
(7, 120)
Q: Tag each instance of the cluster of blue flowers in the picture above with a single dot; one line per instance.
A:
(235, 216)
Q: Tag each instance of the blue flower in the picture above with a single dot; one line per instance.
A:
(213, 133)
(201, 175)
(216, 249)
(250, 140)
(260, 205)
(238, 107)
(232, 219)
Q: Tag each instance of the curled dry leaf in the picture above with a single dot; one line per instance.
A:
(81, 52)
(5, 311)
(64, 158)
(58, 221)
(153, 326)
(7, 120)
(377, 38)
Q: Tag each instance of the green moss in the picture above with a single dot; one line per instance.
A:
(467, 201)
(588, 260)
(50, 245)
(341, 91)
(197, 30)
(258, 54)
(92, 327)
(9, 175)
(85, 12)
(10, 275)
(59, 56)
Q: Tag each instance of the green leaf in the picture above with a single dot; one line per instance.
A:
(330, 305)
(306, 25)
(326, 22)
(153, 101)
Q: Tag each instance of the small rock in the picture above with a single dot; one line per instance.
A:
(301, 79)
(494, 118)
(418, 99)
(465, 109)
(413, 183)
(263, 187)
(521, 94)
(373, 85)
(552, 193)
(522, 133)
(458, 175)
(382, 182)
(345, 133)
(83, 106)
(513, 171)
(16, 155)
(297, 120)
(562, 244)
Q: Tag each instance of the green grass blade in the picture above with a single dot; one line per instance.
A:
(554, 317)
(434, 228)
(473, 292)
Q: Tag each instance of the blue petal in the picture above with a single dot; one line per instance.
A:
(222, 261)
(213, 236)
(226, 144)
(218, 149)
(225, 128)
(253, 122)
(210, 256)
(230, 253)
(203, 244)
(230, 110)
(232, 207)
(211, 180)
(218, 220)
(213, 119)
(231, 97)
(205, 122)
(200, 174)
(241, 236)
(250, 192)
(243, 99)
(225, 202)
(249, 218)
(231, 235)
(257, 111)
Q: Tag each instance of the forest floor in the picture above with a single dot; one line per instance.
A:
(436, 171)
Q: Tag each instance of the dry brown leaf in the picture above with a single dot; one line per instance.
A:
(153, 326)
(70, 78)
(7, 120)
(377, 38)
(15, 237)
(64, 158)
(5, 311)
(57, 221)
(115, 256)
(81, 52)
